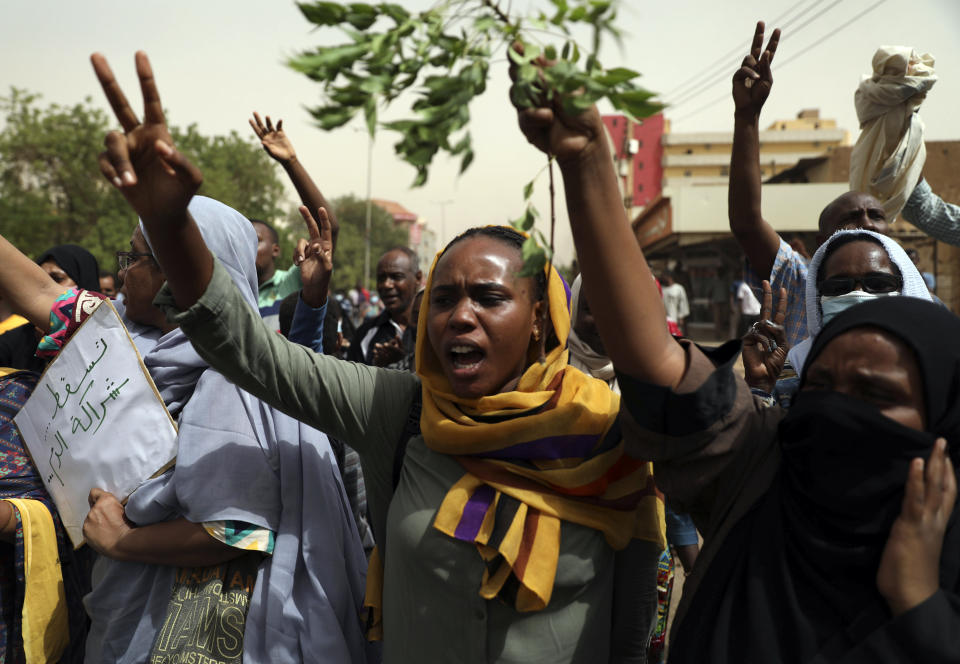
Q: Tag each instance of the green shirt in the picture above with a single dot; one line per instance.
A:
(432, 611)
(277, 287)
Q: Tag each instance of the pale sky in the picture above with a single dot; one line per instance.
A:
(218, 60)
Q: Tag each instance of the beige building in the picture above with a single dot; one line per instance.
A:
(705, 156)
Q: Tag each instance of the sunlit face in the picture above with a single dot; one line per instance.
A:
(397, 282)
(141, 282)
(482, 316)
(853, 210)
(874, 366)
(56, 273)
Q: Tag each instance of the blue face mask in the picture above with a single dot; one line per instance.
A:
(831, 305)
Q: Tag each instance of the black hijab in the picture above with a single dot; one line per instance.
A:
(795, 580)
(77, 262)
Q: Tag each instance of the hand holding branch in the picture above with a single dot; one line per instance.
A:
(554, 131)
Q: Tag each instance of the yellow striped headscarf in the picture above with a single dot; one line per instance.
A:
(547, 452)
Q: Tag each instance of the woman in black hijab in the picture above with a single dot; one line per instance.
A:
(823, 530)
(76, 263)
(68, 265)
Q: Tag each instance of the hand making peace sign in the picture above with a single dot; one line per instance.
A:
(752, 82)
(314, 256)
(157, 181)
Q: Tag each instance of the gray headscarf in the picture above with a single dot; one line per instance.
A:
(913, 286)
(241, 460)
(582, 356)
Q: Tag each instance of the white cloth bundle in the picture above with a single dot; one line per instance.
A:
(889, 154)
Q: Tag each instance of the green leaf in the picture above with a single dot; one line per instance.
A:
(370, 115)
(539, 22)
(529, 218)
(331, 117)
(485, 23)
(335, 56)
(516, 58)
(528, 191)
(322, 13)
(361, 16)
(550, 52)
(636, 103)
(466, 161)
(616, 76)
(534, 258)
(394, 11)
(530, 247)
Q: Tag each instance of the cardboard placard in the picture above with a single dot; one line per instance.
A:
(95, 419)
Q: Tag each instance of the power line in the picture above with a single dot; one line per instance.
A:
(725, 73)
(723, 59)
(795, 56)
(833, 32)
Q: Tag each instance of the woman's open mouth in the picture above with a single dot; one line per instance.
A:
(465, 358)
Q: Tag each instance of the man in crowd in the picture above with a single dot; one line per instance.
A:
(674, 300)
(275, 284)
(398, 279)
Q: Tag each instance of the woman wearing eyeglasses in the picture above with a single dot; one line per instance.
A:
(852, 267)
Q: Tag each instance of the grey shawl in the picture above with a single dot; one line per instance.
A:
(240, 460)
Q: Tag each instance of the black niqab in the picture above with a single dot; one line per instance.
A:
(795, 580)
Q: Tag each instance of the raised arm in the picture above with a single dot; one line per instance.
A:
(751, 86)
(933, 215)
(628, 311)
(29, 290)
(278, 145)
(352, 402)
(157, 181)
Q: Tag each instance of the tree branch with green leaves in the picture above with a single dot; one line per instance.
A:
(443, 57)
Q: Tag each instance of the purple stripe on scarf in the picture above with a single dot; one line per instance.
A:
(473, 513)
(567, 293)
(552, 447)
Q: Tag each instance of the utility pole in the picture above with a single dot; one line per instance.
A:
(366, 239)
(443, 220)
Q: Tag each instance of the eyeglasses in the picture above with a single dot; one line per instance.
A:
(127, 258)
(874, 283)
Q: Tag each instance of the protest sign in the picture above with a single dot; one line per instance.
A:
(95, 419)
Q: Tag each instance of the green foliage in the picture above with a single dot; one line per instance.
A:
(348, 259)
(52, 192)
(444, 56)
(236, 171)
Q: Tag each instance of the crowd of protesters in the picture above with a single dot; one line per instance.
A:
(475, 466)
